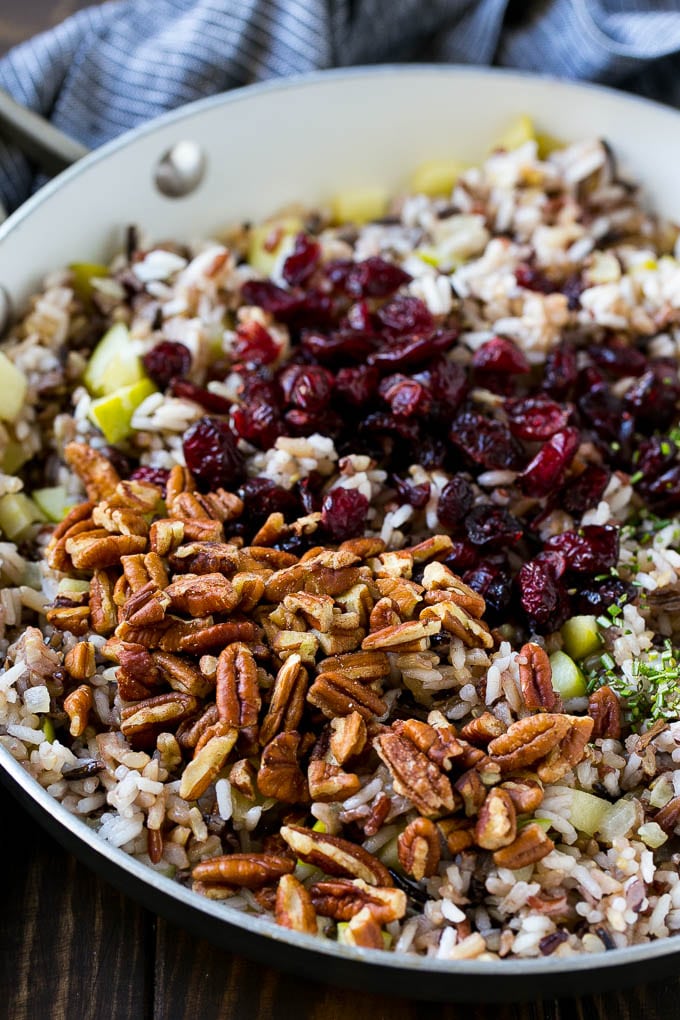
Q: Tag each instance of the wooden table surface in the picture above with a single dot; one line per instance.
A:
(73, 948)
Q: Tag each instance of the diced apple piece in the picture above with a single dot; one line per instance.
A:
(359, 205)
(547, 144)
(53, 502)
(586, 811)
(517, 133)
(389, 855)
(437, 176)
(620, 819)
(83, 273)
(265, 240)
(17, 515)
(567, 678)
(114, 363)
(73, 585)
(47, 726)
(14, 456)
(112, 414)
(581, 636)
(13, 385)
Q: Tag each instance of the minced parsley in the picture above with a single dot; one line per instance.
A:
(653, 690)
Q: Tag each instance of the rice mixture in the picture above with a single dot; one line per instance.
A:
(341, 580)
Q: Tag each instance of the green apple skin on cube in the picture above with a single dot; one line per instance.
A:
(14, 386)
(581, 636)
(567, 679)
(53, 502)
(112, 414)
(18, 514)
(114, 363)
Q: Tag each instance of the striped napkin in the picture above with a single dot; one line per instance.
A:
(111, 67)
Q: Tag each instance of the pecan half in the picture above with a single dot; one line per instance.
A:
(366, 666)
(363, 930)
(669, 815)
(439, 578)
(525, 794)
(342, 899)
(471, 790)
(80, 661)
(336, 694)
(202, 594)
(237, 692)
(335, 856)
(348, 736)
(472, 632)
(497, 822)
(206, 765)
(165, 536)
(385, 613)
(532, 845)
(287, 700)
(77, 706)
(328, 782)
(91, 550)
(438, 741)
(414, 775)
(146, 606)
(103, 614)
(138, 674)
(280, 775)
(144, 720)
(181, 675)
(418, 848)
(535, 677)
(249, 870)
(73, 618)
(483, 729)
(294, 908)
(569, 751)
(528, 740)
(97, 474)
(458, 833)
(604, 708)
(394, 638)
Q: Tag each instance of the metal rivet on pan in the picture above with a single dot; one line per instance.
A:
(5, 310)
(180, 170)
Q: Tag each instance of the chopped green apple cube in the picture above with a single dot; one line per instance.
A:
(47, 726)
(13, 385)
(265, 241)
(437, 176)
(17, 515)
(82, 275)
(359, 205)
(517, 133)
(14, 456)
(114, 363)
(112, 414)
(53, 502)
(73, 586)
(586, 811)
(567, 678)
(581, 636)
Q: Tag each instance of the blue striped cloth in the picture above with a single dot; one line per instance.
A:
(110, 67)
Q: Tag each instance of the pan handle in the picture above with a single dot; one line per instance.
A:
(50, 148)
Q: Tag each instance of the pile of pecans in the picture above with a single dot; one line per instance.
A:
(278, 672)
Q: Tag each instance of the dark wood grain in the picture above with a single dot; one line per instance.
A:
(72, 948)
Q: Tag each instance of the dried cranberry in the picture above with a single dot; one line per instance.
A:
(534, 418)
(560, 371)
(357, 385)
(372, 277)
(663, 493)
(208, 400)
(432, 452)
(606, 414)
(309, 490)
(341, 345)
(153, 475)
(305, 423)
(308, 387)
(121, 463)
(454, 502)
(416, 496)
(486, 441)
(405, 315)
(406, 397)
(500, 355)
(593, 549)
(531, 278)
(166, 361)
(211, 454)
(302, 261)
(262, 497)
(297, 308)
(572, 288)
(413, 350)
(446, 382)
(493, 584)
(654, 456)
(654, 398)
(548, 468)
(403, 428)
(254, 344)
(343, 513)
(492, 526)
(359, 317)
(463, 556)
(618, 358)
(585, 491)
(597, 597)
(543, 595)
